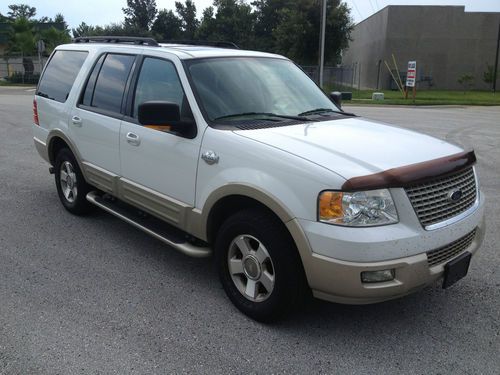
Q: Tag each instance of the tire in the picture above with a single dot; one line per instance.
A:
(259, 265)
(70, 183)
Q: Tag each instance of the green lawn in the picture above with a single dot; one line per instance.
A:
(428, 97)
(6, 83)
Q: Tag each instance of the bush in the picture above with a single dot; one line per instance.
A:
(19, 77)
(489, 74)
(467, 81)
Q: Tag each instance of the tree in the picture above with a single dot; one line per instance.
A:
(140, 14)
(297, 35)
(21, 37)
(21, 40)
(268, 17)
(294, 35)
(207, 28)
(21, 11)
(233, 21)
(53, 37)
(187, 15)
(167, 26)
(339, 26)
(59, 18)
(121, 29)
(83, 30)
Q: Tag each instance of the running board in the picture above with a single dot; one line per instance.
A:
(150, 225)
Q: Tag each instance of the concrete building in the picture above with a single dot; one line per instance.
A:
(446, 42)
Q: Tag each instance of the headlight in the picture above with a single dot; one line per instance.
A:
(358, 209)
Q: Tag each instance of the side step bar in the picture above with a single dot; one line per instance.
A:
(152, 226)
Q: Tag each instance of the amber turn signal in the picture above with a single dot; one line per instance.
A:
(330, 205)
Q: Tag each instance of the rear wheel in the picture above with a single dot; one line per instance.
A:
(258, 265)
(71, 186)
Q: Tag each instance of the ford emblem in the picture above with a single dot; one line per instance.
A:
(455, 195)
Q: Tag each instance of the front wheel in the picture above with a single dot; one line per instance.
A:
(259, 265)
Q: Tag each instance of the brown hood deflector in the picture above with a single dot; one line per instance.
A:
(411, 174)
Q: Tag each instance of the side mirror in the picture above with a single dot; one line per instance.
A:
(336, 97)
(158, 113)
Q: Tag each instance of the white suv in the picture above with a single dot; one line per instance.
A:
(240, 154)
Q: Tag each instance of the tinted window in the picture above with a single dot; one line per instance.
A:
(240, 85)
(89, 90)
(110, 84)
(60, 74)
(158, 80)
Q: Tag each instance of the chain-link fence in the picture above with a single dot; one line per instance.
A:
(21, 69)
(27, 69)
(334, 77)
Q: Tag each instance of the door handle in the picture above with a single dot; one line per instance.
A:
(133, 139)
(77, 121)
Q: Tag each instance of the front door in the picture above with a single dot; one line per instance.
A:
(158, 167)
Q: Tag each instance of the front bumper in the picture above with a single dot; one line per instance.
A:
(334, 278)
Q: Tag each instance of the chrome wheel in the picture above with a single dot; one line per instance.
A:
(251, 268)
(67, 177)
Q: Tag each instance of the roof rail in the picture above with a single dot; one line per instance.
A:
(117, 39)
(221, 44)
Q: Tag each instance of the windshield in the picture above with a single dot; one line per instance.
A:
(232, 88)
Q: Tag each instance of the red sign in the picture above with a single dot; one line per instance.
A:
(411, 74)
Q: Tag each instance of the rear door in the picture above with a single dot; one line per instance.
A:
(95, 121)
(54, 89)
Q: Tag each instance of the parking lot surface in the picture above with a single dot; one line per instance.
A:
(92, 295)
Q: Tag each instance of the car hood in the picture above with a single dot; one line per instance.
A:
(354, 146)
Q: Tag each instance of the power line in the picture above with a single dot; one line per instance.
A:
(373, 8)
(357, 9)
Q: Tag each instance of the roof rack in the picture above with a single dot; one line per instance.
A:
(221, 44)
(117, 39)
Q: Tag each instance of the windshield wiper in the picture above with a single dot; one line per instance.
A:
(299, 118)
(317, 111)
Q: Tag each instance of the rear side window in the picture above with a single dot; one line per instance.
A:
(60, 74)
(106, 93)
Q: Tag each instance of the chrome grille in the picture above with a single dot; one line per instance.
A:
(449, 251)
(431, 199)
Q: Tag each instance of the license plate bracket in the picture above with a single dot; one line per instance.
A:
(456, 269)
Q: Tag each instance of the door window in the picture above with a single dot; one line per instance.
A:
(106, 93)
(158, 80)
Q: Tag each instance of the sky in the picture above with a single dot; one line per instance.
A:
(101, 12)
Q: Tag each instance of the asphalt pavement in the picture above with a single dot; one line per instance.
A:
(92, 295)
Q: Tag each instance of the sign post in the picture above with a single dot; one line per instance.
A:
(40, 46)
(411, 76)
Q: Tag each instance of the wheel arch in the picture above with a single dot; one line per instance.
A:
(56, 141)
(230, 199)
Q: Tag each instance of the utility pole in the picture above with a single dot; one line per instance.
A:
(378, 72)
(322, 42)
(496, 62)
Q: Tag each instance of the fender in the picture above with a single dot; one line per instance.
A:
(198, 220)
(58, 133)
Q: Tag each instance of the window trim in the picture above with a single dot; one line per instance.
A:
(81, 97)
(47, 65)
(117, 115)
(134, 79)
